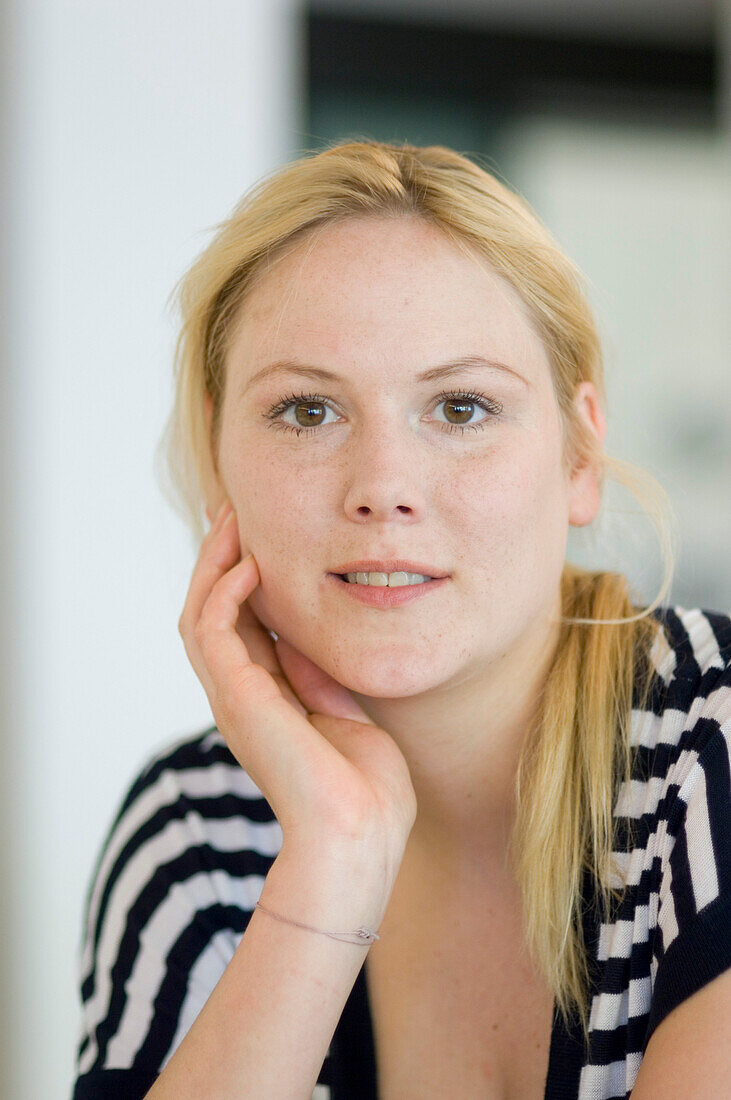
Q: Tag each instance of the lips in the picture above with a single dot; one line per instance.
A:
(394, 565)
(384, 597)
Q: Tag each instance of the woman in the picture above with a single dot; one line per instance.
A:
(462, 826)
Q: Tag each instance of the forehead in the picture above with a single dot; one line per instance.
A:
(374, 286)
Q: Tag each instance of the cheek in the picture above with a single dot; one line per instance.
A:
(276, 601)
(273, 505)
(283, 522)
(513, 511)
(520, 483)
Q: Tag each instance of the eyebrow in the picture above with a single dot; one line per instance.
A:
(466, 362)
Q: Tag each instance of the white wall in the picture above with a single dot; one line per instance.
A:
(130, 128)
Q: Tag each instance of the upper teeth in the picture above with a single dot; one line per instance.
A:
(392, 580)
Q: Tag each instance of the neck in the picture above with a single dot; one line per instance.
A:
(462, 743)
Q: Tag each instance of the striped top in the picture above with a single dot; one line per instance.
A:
(186, 855)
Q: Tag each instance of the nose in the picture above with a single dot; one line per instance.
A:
(386, 479)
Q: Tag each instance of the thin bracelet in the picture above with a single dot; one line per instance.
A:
(362, 935)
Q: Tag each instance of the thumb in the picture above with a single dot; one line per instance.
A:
(320, 692)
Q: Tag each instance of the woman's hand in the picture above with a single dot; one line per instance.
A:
(324, 767)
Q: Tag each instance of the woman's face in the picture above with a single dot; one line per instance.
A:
(385, 470)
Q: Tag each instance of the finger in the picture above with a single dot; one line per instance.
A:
(220, 516)
(247, 701)
(219, 552)
(286, 689)
(257, 639)
(210, 515)
(319, 691)
(224, 653)
(260, 647)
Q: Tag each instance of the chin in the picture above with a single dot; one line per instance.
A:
(383, 679)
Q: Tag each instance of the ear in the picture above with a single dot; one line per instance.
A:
(584, 498)
(215, 494)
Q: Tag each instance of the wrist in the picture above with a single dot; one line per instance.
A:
(367, 858)
(336, 888)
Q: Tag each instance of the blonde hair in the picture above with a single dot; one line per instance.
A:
(579, 751)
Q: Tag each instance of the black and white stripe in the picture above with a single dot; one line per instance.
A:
(186, 856)
(672, 933)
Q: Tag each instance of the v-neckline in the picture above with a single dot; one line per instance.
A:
(353, 1057)
(354, 1050)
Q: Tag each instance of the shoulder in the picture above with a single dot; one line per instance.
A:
(692, 650)
(687, 857)
(690, 698)
(188, 791)
(176, 879)
(190, 812)
(670, 936)
(687, 803)
(195, 767)
(682, 735)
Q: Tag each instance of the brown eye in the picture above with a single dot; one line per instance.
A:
(308, 409)
(461, 409)
(309, 413)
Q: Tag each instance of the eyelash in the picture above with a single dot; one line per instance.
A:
(493, 407)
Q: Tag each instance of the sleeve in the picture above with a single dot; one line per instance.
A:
(170, 897)
(694, 914)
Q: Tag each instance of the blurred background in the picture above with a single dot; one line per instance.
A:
(128, 131)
